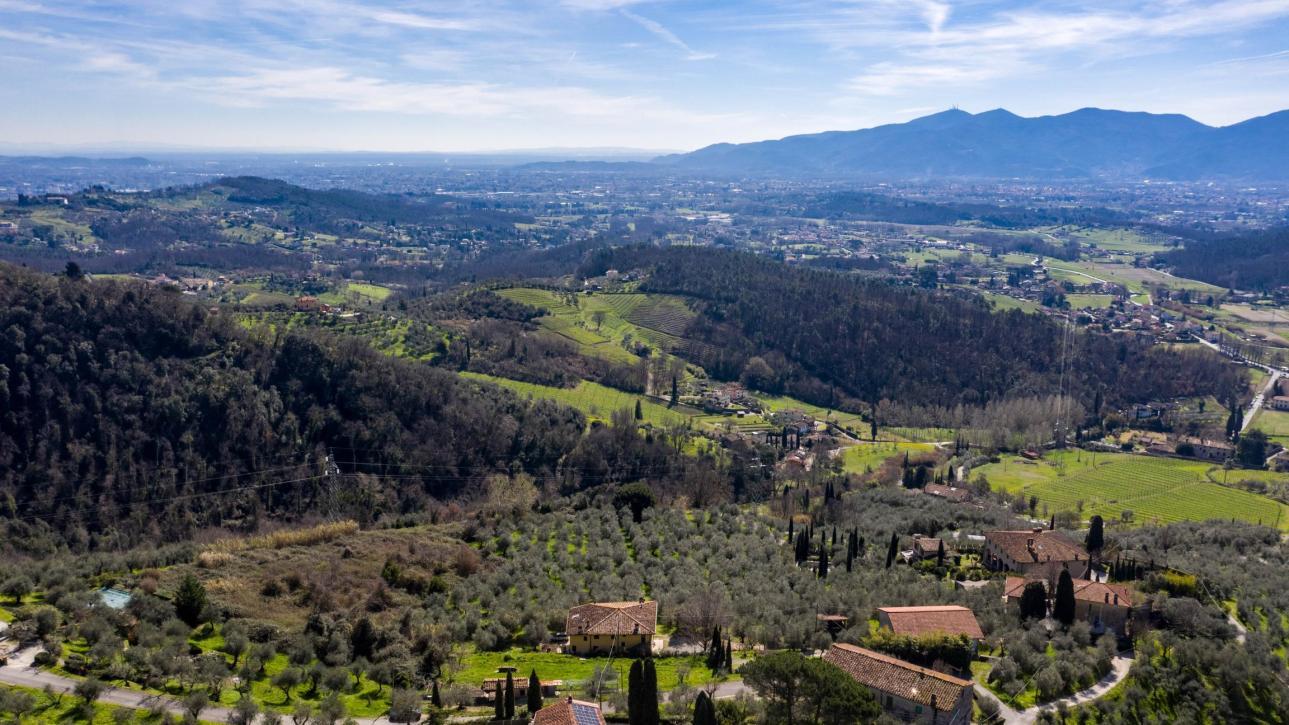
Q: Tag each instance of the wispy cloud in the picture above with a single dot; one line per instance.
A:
(659, 30)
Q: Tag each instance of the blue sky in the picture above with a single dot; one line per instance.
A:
(464, 75)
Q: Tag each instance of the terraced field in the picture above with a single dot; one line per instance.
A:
(1159, 490)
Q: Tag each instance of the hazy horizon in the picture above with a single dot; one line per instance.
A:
(348, 76)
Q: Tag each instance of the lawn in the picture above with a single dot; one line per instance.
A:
(1162, 490)
(1099, 302)
(596, 401)
(478, 666)
(53, 708)
(860, 458)
(1274, 423)
(1002, 303)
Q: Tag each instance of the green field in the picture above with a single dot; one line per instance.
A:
(1002, 303)
(596, 401)
(1274, 423)
(1099, 302)
(860, 458)
(605, 324)
(1117, 240)
(1161, 490)
(479, 666)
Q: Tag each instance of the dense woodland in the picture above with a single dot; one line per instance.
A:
(1253, 261)
(839, 340)
(129, 414)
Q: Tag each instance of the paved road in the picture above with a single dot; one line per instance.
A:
(1119, 667)
(19, 671)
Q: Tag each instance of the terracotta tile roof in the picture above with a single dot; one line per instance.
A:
(947, 619)
(613, 618)
(1084, 590)
(1047, 545)
(952, 493)
(569, 712)
(1102, 593)
(899, 678)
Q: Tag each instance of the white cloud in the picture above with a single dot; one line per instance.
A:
(659, 30)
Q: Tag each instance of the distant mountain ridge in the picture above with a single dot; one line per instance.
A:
(1087, 143)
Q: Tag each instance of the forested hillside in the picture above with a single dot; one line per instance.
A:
(1257, 261)
(823, 336)
(125, 409)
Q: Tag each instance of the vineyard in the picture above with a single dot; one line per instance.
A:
(1133, 488)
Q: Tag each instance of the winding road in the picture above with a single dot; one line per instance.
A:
(1119, 667)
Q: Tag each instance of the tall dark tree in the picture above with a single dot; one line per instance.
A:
(649, 695)
(1095, 540)
(499, 703)
(939, 554)
(639, 411)
(823, 562)
(635, 693)
(715, 650)
(893, 550)
(1063, 605)
(675, 393)
(534, 693)
(435, 698)
(704, 710)
(510, 696)
(1033, 601)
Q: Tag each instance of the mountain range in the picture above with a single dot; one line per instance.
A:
(1088, 143)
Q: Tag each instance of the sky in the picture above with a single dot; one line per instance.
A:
(345, 75)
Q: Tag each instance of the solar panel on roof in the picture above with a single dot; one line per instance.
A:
(585, 714)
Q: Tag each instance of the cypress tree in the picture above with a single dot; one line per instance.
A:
(823, 563)
(1063, 607)
(435, 700)
(649, 695)
(1096, 535)
(635, 689)
(534, 693)
(939, 554)
(715, 650)
(675, 393)
(704, 710)
(510, 696)
(729, 655)
(891, 552)
(791, 524)
(499, 704)
(639, 412)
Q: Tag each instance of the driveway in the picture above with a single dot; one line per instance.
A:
(1119, 667)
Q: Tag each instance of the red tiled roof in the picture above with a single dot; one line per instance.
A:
(613, 618)
(1047, 545)
(569, 712)
(1102, 593)
(946, 619)
(897, 677)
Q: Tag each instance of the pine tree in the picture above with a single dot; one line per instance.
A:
(510, 696)
(190, 600)
(1063, 607)
(704, 710)
(891, 552)
(534, 693)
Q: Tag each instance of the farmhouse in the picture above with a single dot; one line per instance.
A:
(618, 627)
(569, 712)
(1030, 551)
(1105, 607)
(927, 547)
(1279, 402)
(935, 619)
(1204, 449)
(949, 493)
(905, 690)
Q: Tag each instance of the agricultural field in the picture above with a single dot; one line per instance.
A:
(1002, 303)
(1153, 490)
(1099, 302)
(397, 337)
(1117, 240)
(1274, 423)
(864, 457)
(596, 401)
